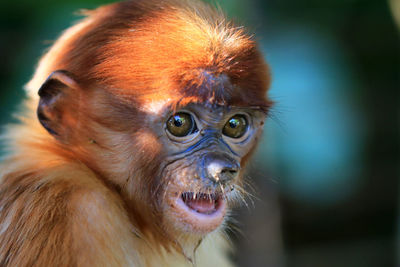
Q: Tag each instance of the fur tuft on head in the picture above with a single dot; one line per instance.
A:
(150, 50)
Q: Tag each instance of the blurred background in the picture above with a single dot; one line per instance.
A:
(325, 179)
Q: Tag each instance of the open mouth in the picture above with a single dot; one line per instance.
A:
(202, 212)
(201, 202)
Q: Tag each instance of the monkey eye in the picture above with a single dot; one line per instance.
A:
(235, 127)
(181, 124)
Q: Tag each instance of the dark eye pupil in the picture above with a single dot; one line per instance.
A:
(178, 121)
(233, 123)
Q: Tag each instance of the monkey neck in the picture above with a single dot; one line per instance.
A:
(188, 247)
(156, 236)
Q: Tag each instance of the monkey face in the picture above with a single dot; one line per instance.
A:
(201, 177)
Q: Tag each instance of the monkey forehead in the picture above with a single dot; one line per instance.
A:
(170, 104)
(180, 54)
(204, 87)
(155, 106)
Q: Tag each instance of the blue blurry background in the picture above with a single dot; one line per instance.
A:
(325, 178)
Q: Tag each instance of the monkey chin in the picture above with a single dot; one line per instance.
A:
(196, 214)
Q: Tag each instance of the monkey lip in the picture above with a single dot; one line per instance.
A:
(202, 212)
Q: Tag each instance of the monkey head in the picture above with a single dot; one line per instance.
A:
(165, 108)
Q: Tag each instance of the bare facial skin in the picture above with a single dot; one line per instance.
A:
(202, 171)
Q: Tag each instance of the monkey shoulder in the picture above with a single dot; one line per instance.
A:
(62, 217)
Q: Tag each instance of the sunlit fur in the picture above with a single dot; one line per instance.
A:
(61, 205)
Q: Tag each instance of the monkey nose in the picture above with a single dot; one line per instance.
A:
(221, 168)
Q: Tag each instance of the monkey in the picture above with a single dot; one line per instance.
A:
(132, 144)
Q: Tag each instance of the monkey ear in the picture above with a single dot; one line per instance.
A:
(57, 96)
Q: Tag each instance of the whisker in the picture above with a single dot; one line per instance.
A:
(241, 193)
(248, 182)
(234, 228)
(222, 189)
(166, 189)
(248, 195)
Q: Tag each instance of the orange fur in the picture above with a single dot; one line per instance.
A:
(59, 204)
(149, 50)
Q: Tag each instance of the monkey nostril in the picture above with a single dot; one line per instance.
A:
(230, 171)
(222, 171)
(219, 167)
